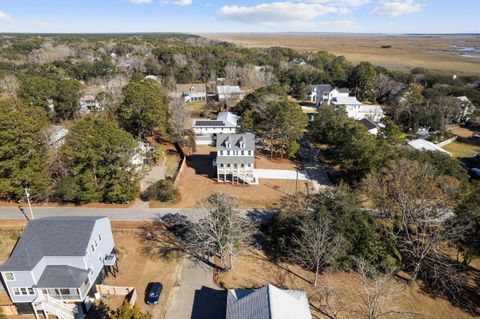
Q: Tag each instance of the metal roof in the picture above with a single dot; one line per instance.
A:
(51, 236)
(60, 276)
(268, 302)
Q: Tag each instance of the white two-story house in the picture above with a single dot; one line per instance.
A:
(226, 122)
(235, 158)
(56, 263)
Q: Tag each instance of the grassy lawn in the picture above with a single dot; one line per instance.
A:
(460, 150)
(8, 238)
(172, 164)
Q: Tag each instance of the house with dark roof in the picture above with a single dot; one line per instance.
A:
(235, 158)
(268, 302)
(371, 126)
(56, 263)
(317, 91)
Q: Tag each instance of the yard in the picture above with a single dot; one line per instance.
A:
(460, 150)
(197, 182)
(253, 269)
(138, 267)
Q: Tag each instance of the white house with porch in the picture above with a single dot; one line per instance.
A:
(235, 158)
(56, 264)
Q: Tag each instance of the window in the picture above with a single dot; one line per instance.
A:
(243, 165)
(23, 291)
(249, 165)
(9, 276)
(93, 248)
(87, 254)
(249, 152)
(96, 244)
(221, 152)
(100, 258)
(16, 291)
(65, 291)
(221, 165)
(30, 291)
(99, 237)
(243, 152)
(228, 152)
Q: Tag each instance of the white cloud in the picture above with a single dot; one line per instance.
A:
(348, 3)
(179, 2)
(5, 17)
(396, 8)
(277, 14)
(140, 1)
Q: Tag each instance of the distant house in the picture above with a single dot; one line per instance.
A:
(357, 110)
(235, 158)
(139, 158)
(424, 145)
(298, 61)
(88, 102)
(55, 136)
(372, 127)
(467, 109)
(192, 92)
(268, 302)
(226, 122)
(225, 92)
(325, 93)
(317, 92)
(56, 264)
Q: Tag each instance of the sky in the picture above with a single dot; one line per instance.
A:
(199, 16)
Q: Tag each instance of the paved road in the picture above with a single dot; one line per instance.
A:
(125, 214)
(309, 156)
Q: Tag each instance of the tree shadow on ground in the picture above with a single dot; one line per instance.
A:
(461, 288)
(165, 238)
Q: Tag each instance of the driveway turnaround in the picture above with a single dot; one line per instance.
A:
(281, 174)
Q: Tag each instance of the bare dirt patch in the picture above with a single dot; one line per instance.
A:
(406, 52)
(197, 183)
(138, 267)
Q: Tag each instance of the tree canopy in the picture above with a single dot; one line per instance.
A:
(98, 157)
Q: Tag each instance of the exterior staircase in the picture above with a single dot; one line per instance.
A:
(57, 308)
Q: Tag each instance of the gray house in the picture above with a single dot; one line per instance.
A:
(56, 263)
(266, 303)
(235, 158)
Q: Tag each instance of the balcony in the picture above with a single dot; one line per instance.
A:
(110, 260)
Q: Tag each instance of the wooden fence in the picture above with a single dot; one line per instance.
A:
(9, 310)
(128, 292)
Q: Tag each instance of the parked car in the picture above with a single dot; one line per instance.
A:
(153, 292)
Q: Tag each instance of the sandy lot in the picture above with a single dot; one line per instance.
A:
(407, 52)
(138, 268)
(253, 269)
(197, 182)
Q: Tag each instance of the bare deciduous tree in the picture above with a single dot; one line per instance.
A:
(317, 246)
(10, 85)
(231, 74)
(417, 203)
(178, 114)
(222, 232)
(376, 297)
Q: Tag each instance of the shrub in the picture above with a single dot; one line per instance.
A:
(162, 191)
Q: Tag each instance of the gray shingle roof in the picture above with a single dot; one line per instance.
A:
(51, 236)
(62, 277)
(248, 138)
(320, 88)
(368, 124)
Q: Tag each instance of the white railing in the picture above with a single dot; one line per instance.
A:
(57, 308)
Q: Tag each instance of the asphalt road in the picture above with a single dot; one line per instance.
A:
(123, 214)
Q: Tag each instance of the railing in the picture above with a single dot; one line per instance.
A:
(57, 308)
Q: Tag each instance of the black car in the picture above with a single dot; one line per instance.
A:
(153, 292)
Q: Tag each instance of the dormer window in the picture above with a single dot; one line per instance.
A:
(227, 143)
(242, 143)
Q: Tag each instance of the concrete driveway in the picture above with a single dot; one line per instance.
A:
(281, 174)
(195, 278)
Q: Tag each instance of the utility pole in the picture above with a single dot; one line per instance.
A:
(27, 194)
(296, 185)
